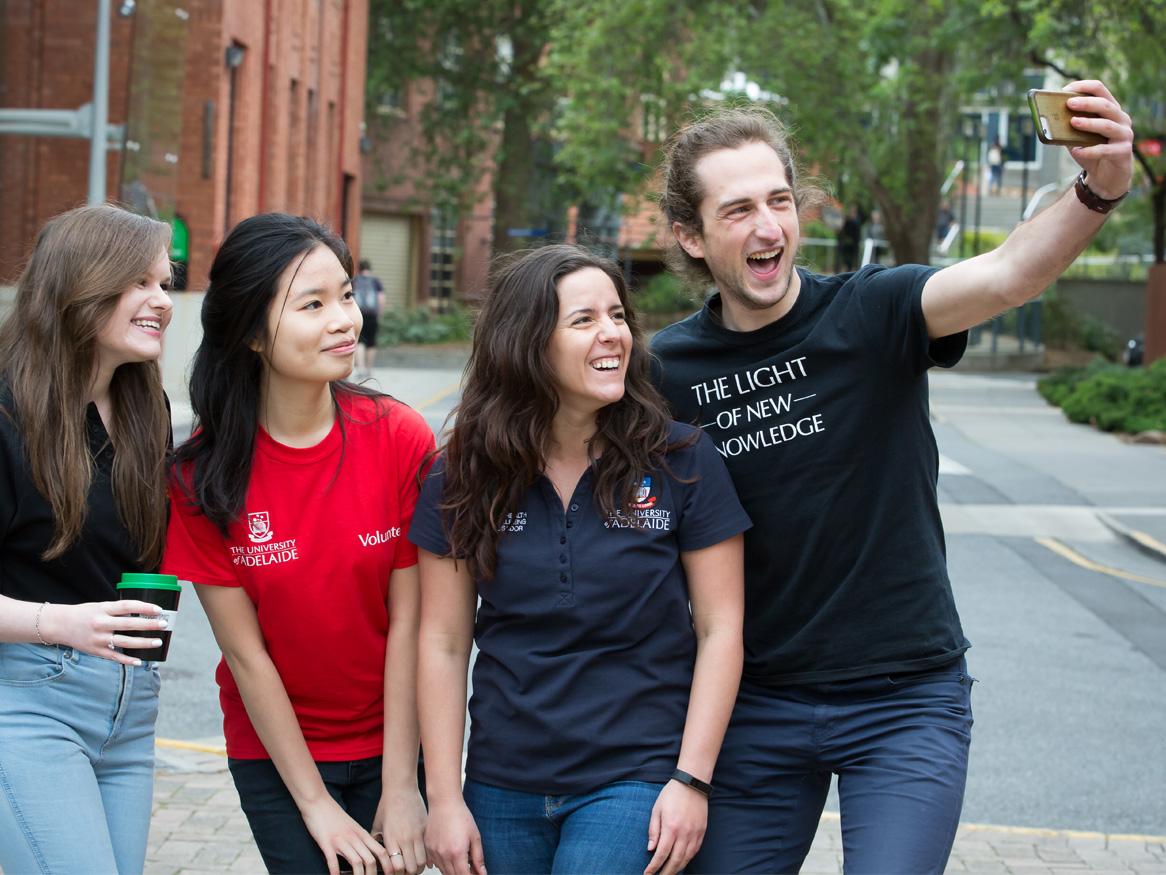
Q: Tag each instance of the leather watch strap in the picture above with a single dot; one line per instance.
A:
(1092, 199)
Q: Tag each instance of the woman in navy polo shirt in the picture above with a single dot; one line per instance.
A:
(586, 521)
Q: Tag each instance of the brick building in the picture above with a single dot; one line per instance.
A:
(257, 105)
(422, 257)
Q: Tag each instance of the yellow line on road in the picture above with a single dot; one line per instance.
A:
(1039, 831)
(175, 744)
(1079, 560)
(439, 396)
(1148, 541)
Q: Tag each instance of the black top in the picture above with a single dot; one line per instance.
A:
(822, 417)
(586, 646)
(88, 570)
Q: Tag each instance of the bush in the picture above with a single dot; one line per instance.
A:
(1064, 327)
(664, 293)
(1111, 397)
(421, 326)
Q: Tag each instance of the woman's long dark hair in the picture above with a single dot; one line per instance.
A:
(498, 445)
(214, 465)
(83, 261)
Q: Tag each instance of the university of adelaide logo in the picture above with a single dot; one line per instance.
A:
(644, 497)
(259, 526)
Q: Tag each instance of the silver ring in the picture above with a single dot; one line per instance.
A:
(111, 644)
(396, 854)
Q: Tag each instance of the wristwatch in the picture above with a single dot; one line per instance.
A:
(1092, 199)
(695, 783)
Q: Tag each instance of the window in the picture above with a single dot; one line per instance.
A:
(442, 251)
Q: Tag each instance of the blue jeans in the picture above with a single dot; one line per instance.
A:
(76, 761)
(899, 745)
(276, 823)
(605, 830)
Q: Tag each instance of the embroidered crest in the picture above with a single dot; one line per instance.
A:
(644, 498)
(259, 524)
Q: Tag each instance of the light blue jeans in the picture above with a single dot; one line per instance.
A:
(76, 761)
(604, 831)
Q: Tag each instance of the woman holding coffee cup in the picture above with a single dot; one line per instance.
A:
(84, 432)
(586, 522)
(289, 507)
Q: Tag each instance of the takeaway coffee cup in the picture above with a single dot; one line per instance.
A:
(162, 590)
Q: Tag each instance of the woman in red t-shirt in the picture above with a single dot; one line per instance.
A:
(289, 504)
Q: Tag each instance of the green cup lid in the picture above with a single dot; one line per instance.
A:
(138, 580)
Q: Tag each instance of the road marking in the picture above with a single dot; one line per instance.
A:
(951, 466)
(996, 409)
(1077, 559)
(1041, 831)
(1069, 522)
(1148, 541)
(438, 396)
(175, 744)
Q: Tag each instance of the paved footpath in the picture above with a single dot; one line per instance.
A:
(198, 828)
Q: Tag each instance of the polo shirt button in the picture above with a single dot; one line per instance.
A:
(563, 558)
(562, 578)
(562, 539)
(569, 524)
(574, 507)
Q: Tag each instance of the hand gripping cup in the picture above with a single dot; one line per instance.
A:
(162, 590)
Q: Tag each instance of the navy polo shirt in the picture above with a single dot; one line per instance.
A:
(585, 638)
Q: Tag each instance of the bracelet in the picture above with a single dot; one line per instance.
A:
(36, 625)
(702, 787)
(1092, 199)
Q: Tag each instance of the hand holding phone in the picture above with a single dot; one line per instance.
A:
(1050, 117)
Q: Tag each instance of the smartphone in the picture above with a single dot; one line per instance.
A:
(1050, 117)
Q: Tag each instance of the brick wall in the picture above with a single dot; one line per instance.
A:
(292, 146)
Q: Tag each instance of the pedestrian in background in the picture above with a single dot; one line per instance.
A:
(84, 432)
(995, 167)
(586, 521)
(849, 239)
(290, 505)
(370, 298)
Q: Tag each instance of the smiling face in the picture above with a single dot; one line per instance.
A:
(591, 344)
(750, 233)
(133, 332)
(312, 323)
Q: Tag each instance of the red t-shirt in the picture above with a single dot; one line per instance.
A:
(321, 530)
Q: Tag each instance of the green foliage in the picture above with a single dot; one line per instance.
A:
(989, 239)
(1111, 397)
(664, 293)
(568, 102)
(422, 326)
(1065, 327)
(487, 102)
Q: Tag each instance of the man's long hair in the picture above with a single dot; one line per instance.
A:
(499, 445)
(81, 264)
(682, 190)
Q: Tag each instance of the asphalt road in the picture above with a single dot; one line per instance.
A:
(1071, 702)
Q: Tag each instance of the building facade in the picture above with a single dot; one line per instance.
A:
(423, 257)
(230, 108)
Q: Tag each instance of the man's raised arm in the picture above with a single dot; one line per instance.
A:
(1039, 250)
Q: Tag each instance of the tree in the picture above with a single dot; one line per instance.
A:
(872, 88)
(491, 103)
(1123, 43)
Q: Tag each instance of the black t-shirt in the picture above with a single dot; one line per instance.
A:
(89, 569)
(585, 640)
(822, 418)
